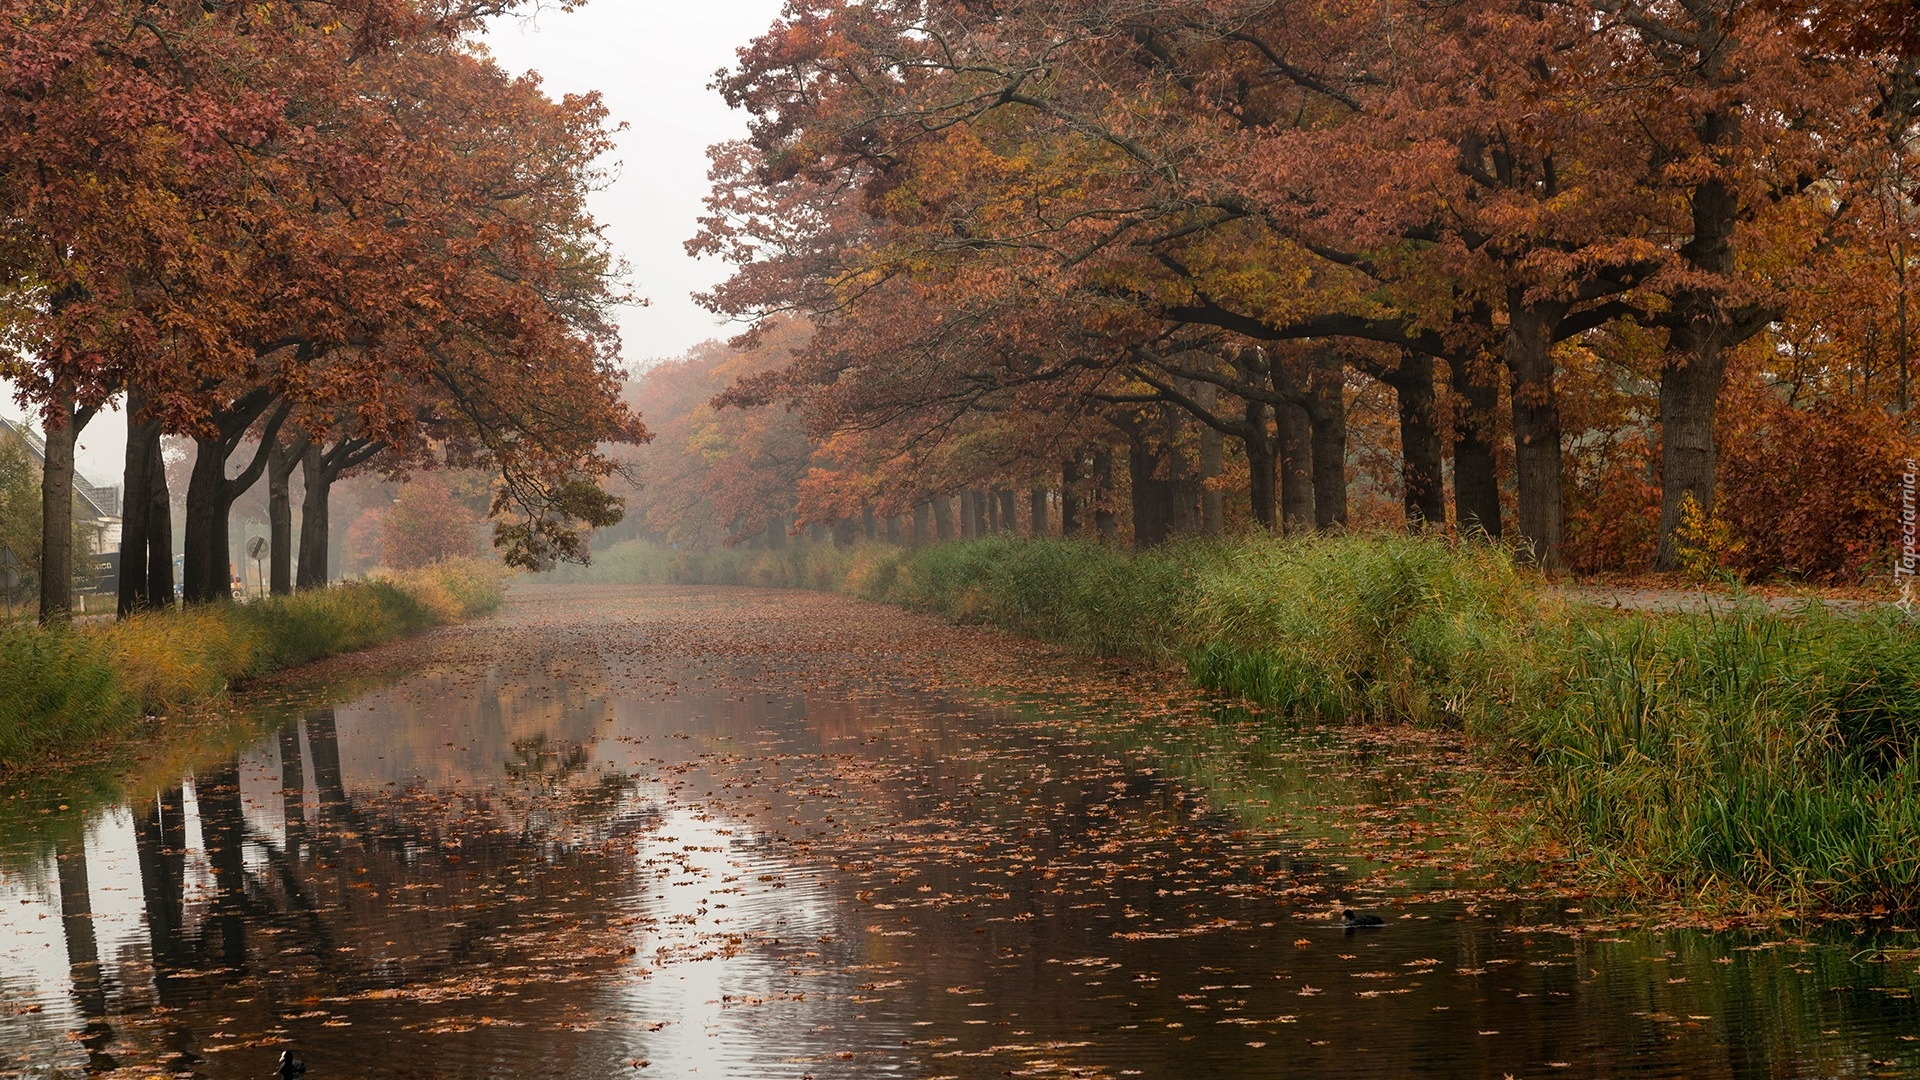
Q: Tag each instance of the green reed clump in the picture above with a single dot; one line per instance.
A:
(1087, 595)
(1739, 753)
(1377, 625)
(63, 688)
(56, 684)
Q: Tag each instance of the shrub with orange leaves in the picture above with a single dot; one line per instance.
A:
(1811, 492)
(429, 523)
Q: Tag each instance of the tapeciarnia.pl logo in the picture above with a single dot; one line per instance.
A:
(1905, 566)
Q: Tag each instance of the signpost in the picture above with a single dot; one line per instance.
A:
(9, 574)
(257, 550)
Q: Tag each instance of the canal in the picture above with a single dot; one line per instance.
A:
(645, 831)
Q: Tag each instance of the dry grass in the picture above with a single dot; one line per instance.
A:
(62, 688)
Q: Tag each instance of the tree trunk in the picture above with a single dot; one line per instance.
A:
(1183, 485)
(1689, 394)
(1106, 524)
(869, 524)
(159, 534)
(1037, 512)
(315, 535)
(922, 520)
(1152, 493)
(1422, 484)
(1009, 512)
(893, 529)
(206, 578)
(1536, 423)
(280, 465)
(1701, 329)
(210, 494)
(1327, 416)
(1263, 452)
(981, 526)
(56, 513)
(1070, 497)
(966, 514)
(1213, 501)
(1295, 466)
(143, 445)
(1476, 479)
(943, 518)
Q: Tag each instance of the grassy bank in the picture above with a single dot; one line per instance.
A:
(1744, 758)
(65, 688)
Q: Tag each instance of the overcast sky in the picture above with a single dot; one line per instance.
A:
(652, 61)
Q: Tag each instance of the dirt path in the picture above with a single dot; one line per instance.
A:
(1696, 601)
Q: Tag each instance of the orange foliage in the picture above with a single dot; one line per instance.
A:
(1812, 492)
(428, 523)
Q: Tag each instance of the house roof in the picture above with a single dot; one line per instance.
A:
(100, 500)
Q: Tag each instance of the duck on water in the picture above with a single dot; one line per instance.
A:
(1353, 920)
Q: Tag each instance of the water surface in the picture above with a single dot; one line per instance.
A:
(762, 834)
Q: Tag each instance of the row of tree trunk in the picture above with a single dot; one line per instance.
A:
(146, 535)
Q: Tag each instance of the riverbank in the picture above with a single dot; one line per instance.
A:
(1735, 760)
(64, 689)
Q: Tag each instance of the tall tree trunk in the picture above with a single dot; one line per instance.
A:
(1070, 494)
(1152, 493)
(893, 529)
(159, 533)
(1009, 512)
(869, 524)
(922, 521)
(1037, 512)
(56, 513)
(1701, 328)
(205, 577)
(1689, 396)
(1213, 501)
(776, 531)
(1531, 330)
(1183, 484)
(943, 517)
(1476, 479)
(211, 494)
(1292, 430)
(966, 514)
(314, 530)
(281, 462)
(1422, 483)
(1263, 462)
(136, 504)
(1106, 524)
(1327, 416)
(980, 524)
